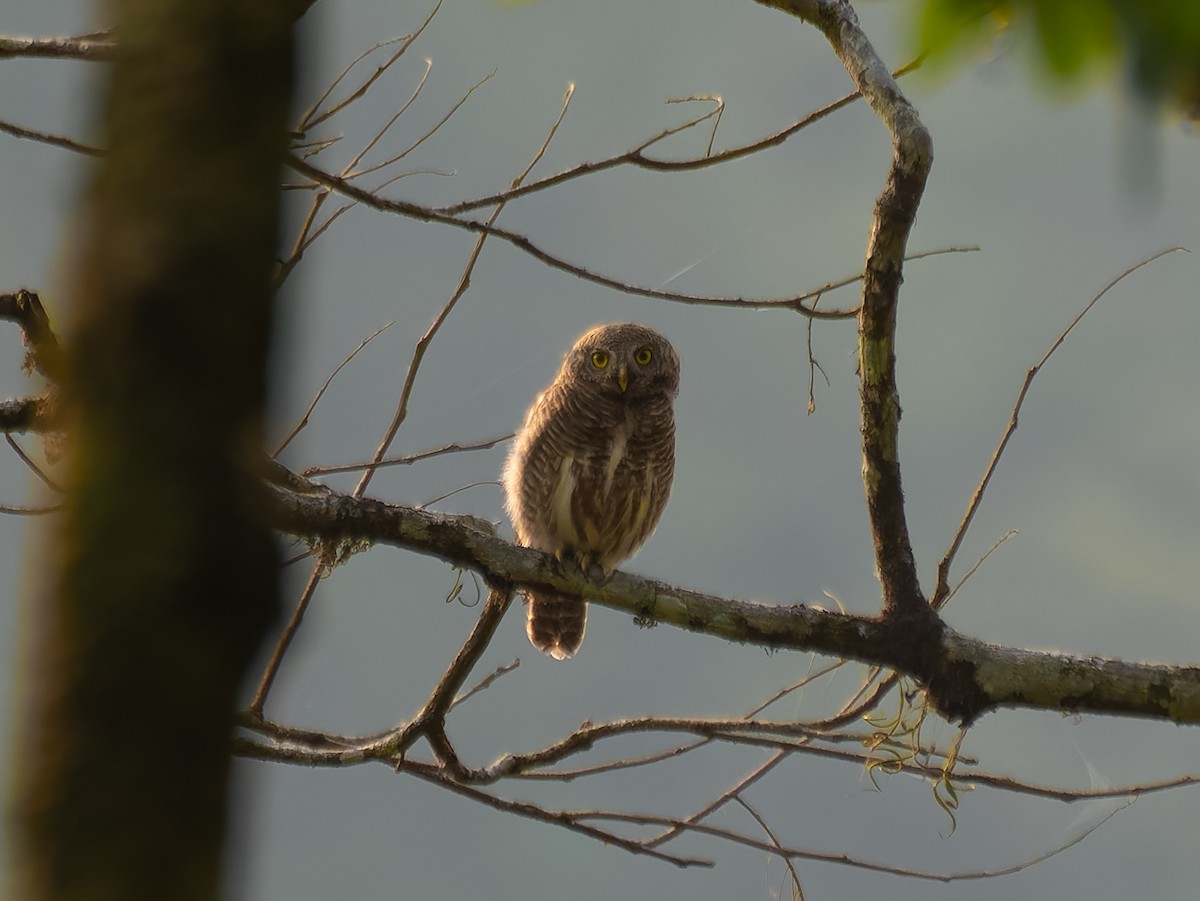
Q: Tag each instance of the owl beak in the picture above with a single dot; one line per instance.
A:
(623, 378)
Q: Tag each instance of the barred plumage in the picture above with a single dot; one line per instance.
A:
(590, 471)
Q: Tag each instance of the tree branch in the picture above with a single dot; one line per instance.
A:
(372, 200)
(25, 308)
(964, 677)
(26, 414)
(895, 211)
(93, 47)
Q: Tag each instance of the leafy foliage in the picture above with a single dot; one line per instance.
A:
(1155, 44)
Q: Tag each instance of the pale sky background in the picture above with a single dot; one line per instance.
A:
(1062, 190)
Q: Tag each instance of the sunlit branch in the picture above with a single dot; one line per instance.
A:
(636, 156)
(99, 47)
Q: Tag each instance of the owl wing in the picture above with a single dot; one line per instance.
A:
(540, 461)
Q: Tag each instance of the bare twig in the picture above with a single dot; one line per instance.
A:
(943, 571)
(942, 602)
(677, 827)
(423, 138)
(636, 155)
(299, 426)
(303, 241)
(330, 749)
(408, 459)
(37, 470)
(840, 858)
(99, 47)
(438, 498)
(484, 683)
(311, 118)
(348, 169)
(608, 766)
(797, 889)
(45, 137)
(799, 303)
(464, 284)
(285, 638)
(13, 510)
(573, 821)
(430, 723)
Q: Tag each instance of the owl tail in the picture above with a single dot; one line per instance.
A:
(555, 624)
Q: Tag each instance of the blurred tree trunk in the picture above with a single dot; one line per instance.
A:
(163, 568)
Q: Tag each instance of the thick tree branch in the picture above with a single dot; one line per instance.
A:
(895, 211)
(27, 414)
(964, 677)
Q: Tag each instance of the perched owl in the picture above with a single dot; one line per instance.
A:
(591, 469)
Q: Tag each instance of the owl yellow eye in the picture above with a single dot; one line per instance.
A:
(600, 358)
(643, 356)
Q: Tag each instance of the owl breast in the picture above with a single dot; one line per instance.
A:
(596, 491)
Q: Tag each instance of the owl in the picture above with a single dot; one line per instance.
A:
(590, 470)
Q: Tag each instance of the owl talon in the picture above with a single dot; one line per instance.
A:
(596, 573)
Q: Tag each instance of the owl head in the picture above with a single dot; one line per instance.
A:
(625, 361)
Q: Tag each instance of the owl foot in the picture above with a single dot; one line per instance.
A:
(594, 571)
(569, 560)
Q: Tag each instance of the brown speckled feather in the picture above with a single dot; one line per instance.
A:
(591, 469)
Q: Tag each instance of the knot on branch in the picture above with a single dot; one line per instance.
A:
(25, 308)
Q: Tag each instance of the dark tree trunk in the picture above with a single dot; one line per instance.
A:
(163, 567)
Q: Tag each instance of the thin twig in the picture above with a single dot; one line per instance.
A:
(430, 723)
(311, 119)
(13, 510)
(408, 459)
(316, 748)
(464, 284)
(438, 498)
(636, 155)
(398, 418)
(978, 563)
(302, 243)
(285, 638)
(484, 683)
(798, 303)
(676, 827)
(839, 858)
(943, 570)
(299, 426)
(566, 819)
(795, 686)
(798, 892)
(720, 111)
(37, 470)
(45, 137)
(625, 763)
(423, 138)
(348, 169)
